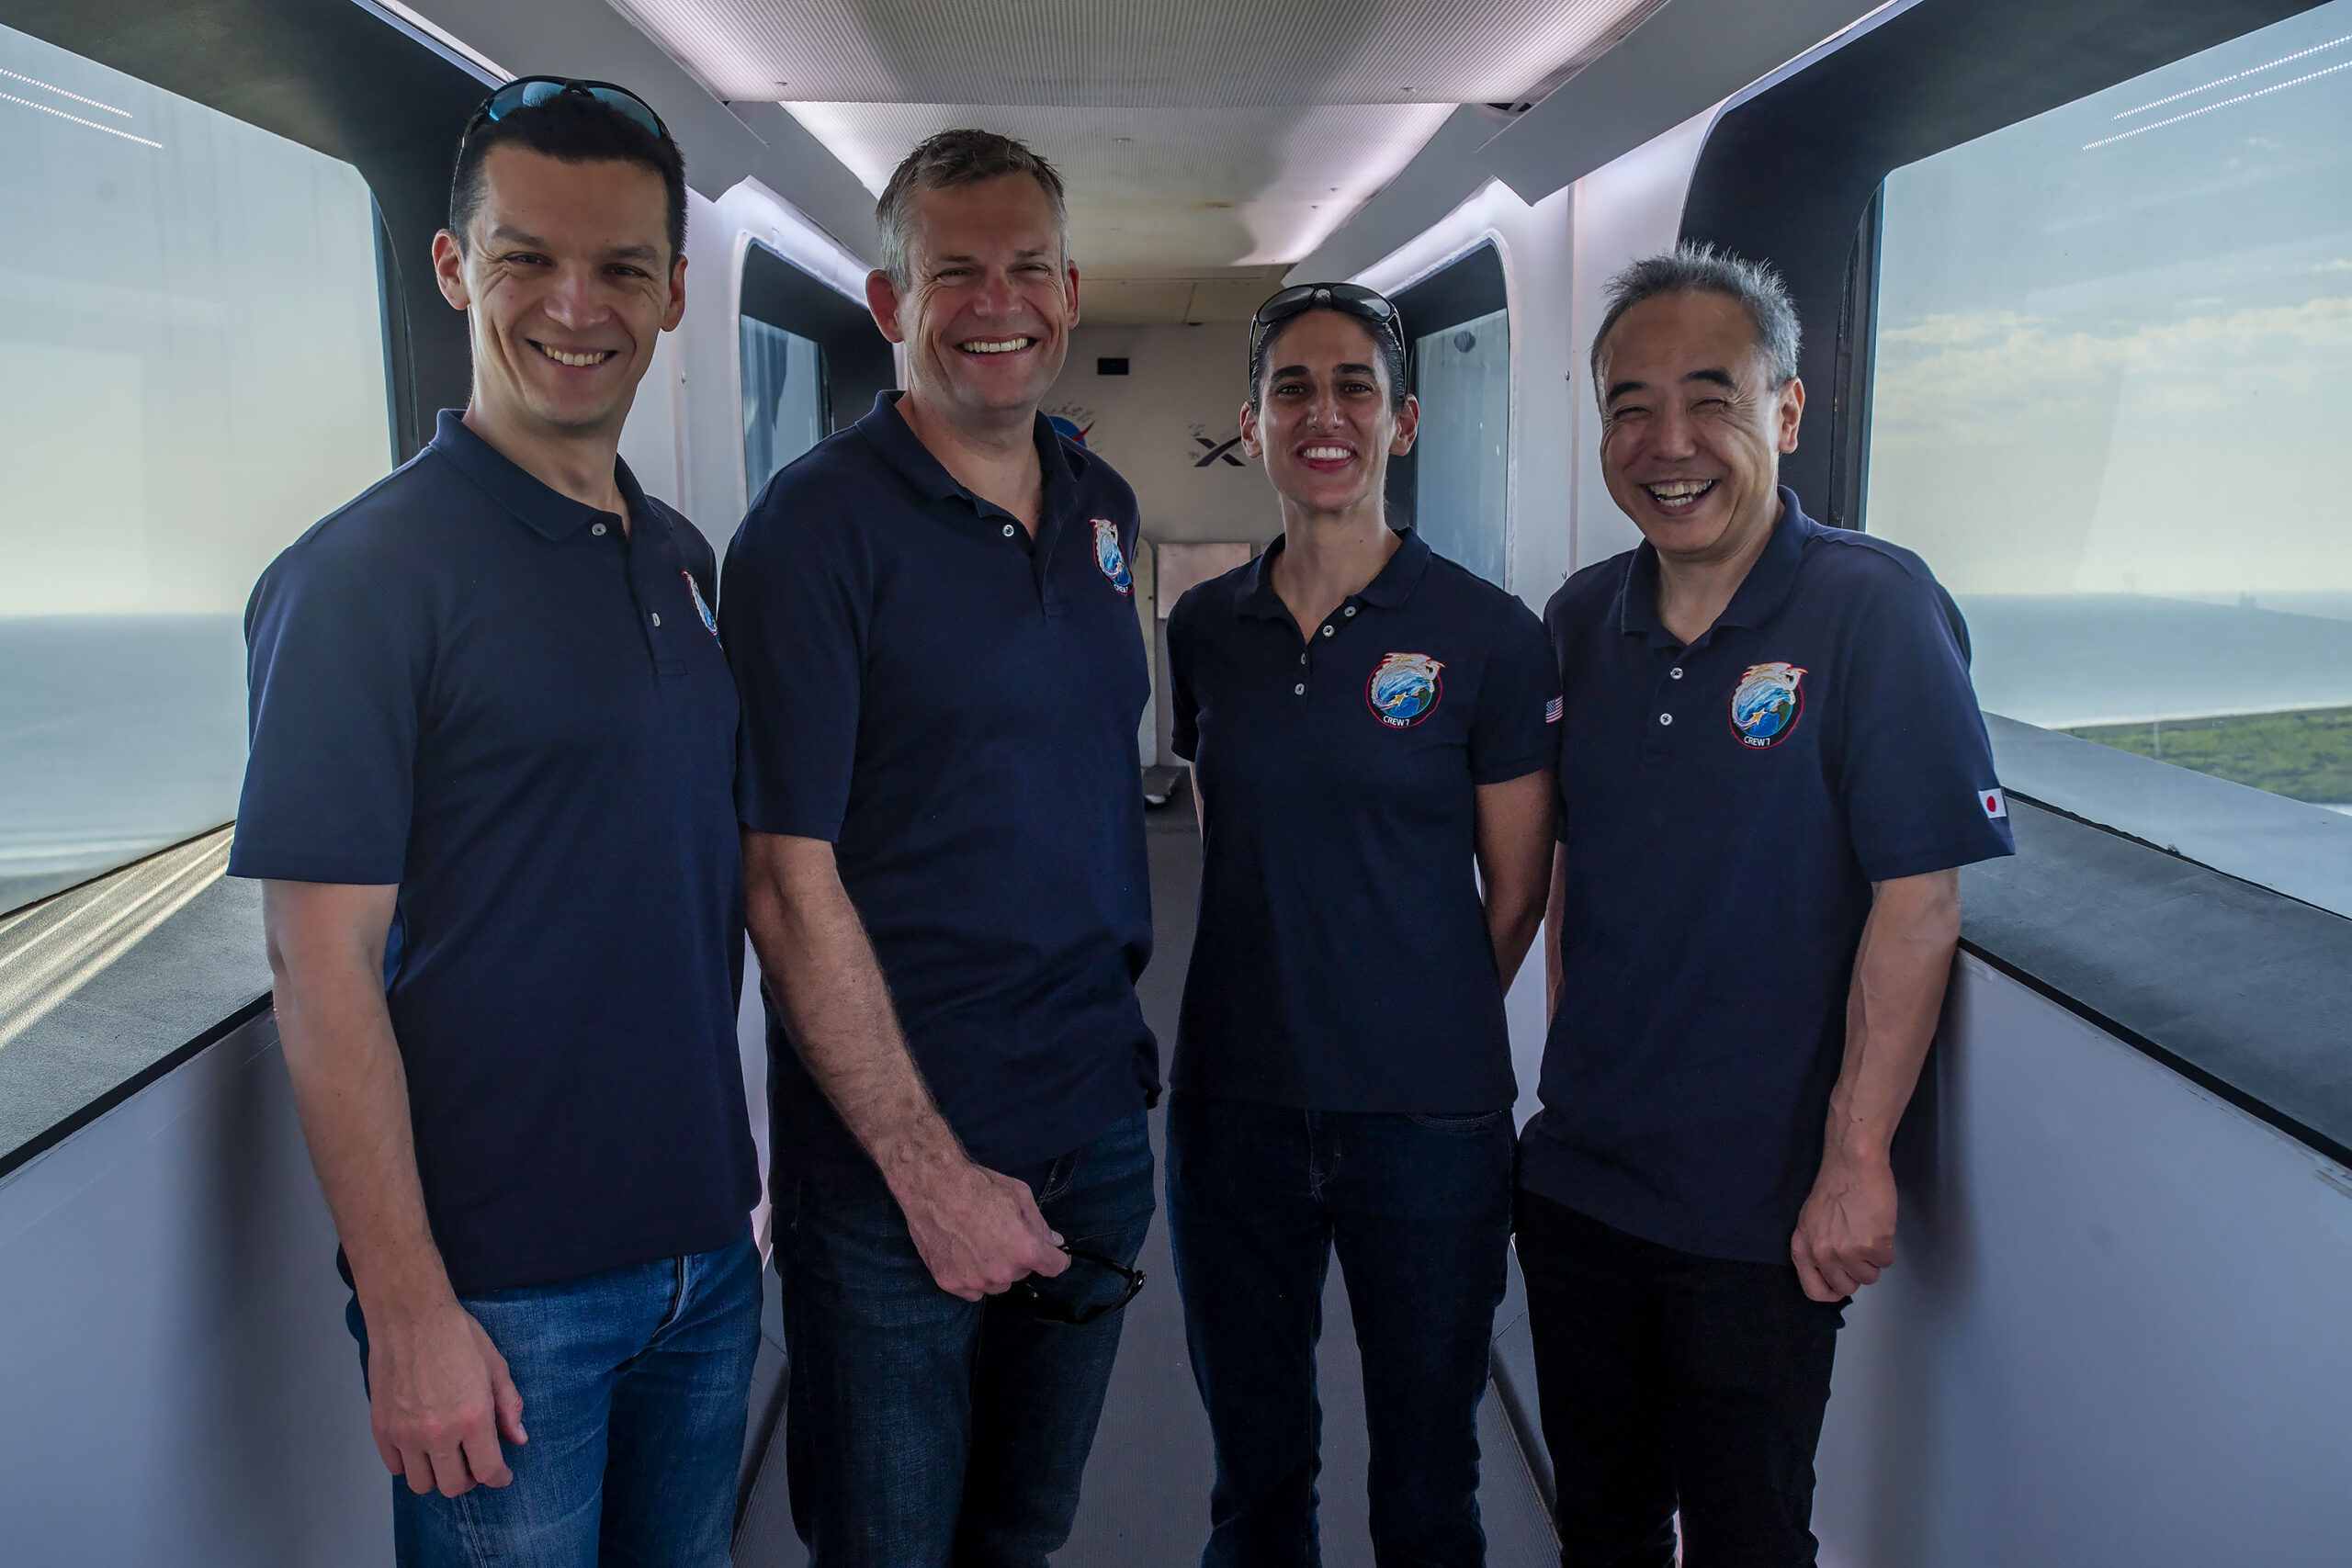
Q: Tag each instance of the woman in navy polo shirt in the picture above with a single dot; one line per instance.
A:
(1370, 728)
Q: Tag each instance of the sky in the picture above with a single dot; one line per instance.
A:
(2113, 339)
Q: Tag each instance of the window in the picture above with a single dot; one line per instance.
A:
(1454, 485)
(2110, 345)
(784, 398)
(191, 373)
(812, 361)
(1462, 486)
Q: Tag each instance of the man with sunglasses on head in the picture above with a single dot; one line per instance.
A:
(490, 796)
(930, 618)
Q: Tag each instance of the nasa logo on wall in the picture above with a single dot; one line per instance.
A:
(1071, 421)
(1404, 688)
(1766, 704)
(1109, 557)
(709, 621)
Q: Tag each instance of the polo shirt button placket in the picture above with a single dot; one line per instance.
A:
(597, 529)
(1007, 530)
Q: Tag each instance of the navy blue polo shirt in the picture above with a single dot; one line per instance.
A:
(1724, 809)
(470, 685)
(1342, 961)
(954, 707)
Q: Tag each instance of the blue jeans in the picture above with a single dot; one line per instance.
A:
(1419, 1208)
(922, 1431)
(635, 1384)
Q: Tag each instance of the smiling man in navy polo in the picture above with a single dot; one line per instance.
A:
(491, 792)
(931, 617)
(1771, 767)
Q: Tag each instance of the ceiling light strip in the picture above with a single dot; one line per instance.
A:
(94, 125)
(50, 87)
(444, 37)
(2237, 75)
(2225, 103)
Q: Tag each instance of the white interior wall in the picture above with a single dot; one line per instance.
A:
(2113, 1334)
(176, 1384)
(1184, 384)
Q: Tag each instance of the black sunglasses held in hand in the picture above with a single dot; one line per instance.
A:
(530, 92)
(1368, 305)
(1030, 1294)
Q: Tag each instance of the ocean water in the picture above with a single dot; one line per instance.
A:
(118, 735)
(2062, 659)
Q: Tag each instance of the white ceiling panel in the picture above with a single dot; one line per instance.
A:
(1196, 136)
(1169, 187)
(1170, 53)
(1141, 296)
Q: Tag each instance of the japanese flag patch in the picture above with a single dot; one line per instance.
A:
(1995, 804)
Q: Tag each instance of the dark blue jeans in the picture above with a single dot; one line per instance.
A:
(634, 1385)
(921, 1431)
(1419, 1208)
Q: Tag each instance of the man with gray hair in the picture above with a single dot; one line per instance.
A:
(930, 620)
(1772, 767)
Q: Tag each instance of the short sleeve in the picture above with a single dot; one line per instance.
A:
(1917, 777)
(1515, 729)
(336, 660)
(795, 605)
(1183, 716)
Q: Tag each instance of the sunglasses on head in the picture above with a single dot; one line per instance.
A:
(1367, 305)
(530, 92)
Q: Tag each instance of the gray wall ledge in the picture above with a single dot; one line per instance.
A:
(2243, 990)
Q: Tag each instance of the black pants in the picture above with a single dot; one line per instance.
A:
(1668, 1381)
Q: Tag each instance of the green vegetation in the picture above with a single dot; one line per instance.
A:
(2304, 756)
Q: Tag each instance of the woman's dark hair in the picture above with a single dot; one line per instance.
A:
(570, 128)
(1392, 356)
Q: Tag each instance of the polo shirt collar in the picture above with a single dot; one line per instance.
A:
(1395, 584)
(887, 429)
(546, 511)
(1759, 593)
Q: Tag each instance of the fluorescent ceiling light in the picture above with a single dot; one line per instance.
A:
(444, 37)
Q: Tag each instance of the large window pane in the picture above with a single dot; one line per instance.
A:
(784, 398)
(2112, 343)
(1461, 481)
(191, 372)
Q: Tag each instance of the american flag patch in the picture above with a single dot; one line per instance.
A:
(1552, 711)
